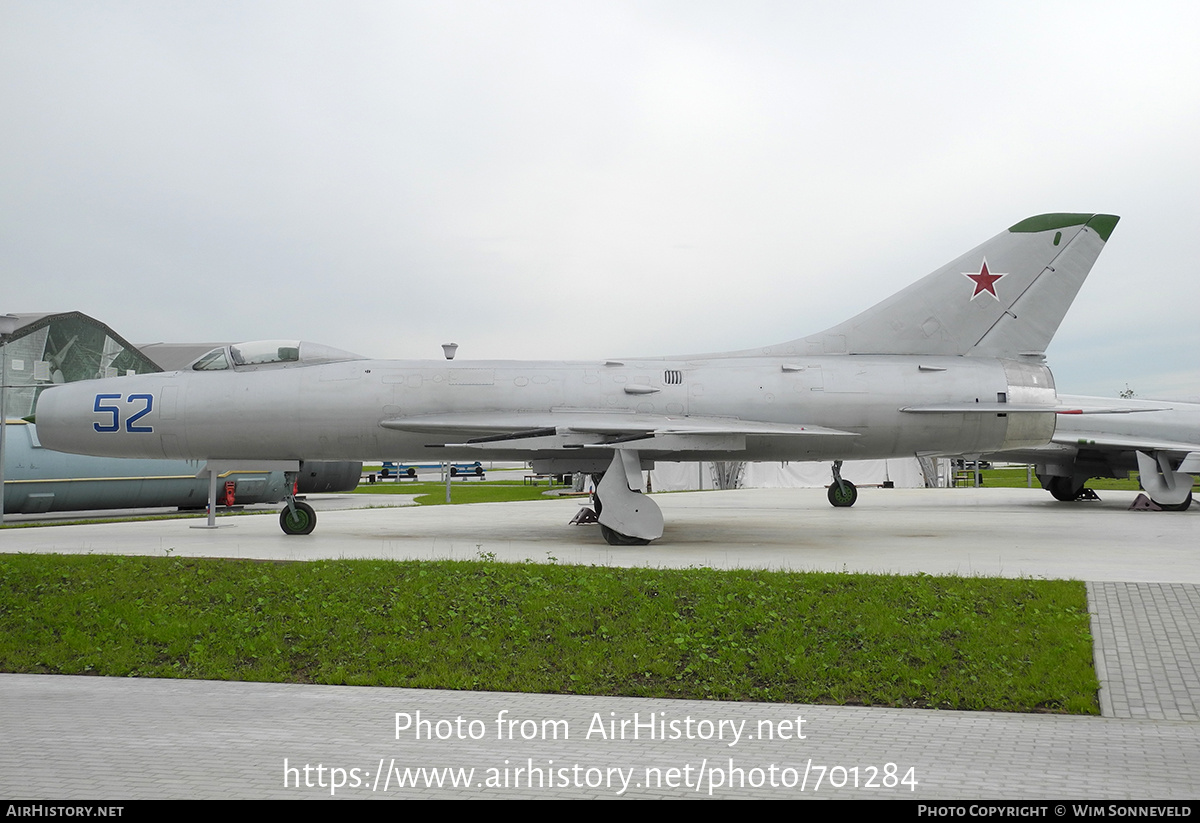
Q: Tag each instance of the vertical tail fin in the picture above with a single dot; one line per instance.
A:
(1005, 298)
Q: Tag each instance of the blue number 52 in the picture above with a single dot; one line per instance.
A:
(114, 412)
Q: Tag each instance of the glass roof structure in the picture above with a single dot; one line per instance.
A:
(44, 349)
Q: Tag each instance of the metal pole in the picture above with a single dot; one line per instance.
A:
(8, 325)
(3, 415)
(212, 497)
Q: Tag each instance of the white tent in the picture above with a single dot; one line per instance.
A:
(901, 472)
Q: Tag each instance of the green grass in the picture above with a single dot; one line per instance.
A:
(1017, 478)
(935, 642)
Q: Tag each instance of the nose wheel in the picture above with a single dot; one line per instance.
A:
(842, 493)
(298, 518)
(843, 496)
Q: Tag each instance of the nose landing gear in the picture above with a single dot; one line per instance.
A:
(842, 493)
(297, 516)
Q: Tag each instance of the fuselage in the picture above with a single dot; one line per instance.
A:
(334, 411)
(1106, 445)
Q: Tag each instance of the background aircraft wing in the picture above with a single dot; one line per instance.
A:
(1095, 441)
(1175, 432)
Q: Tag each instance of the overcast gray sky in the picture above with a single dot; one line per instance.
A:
(591, 179)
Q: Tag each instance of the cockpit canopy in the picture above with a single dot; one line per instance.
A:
(270, 353)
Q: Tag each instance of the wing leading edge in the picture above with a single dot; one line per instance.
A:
(597, 430)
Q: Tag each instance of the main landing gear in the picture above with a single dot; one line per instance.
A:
(1165, 488)
(842, 493)
(1064, 489)
(616, 539)
(1177, 507)
(627, 517)
(1170, 489)
(297, 516)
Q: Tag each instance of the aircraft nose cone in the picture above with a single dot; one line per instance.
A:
(52, 417)
(106, 418)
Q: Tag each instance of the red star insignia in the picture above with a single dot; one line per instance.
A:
(984, 281)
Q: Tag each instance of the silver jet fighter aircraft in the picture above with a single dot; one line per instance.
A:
(952, 364)
(1160, 440)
